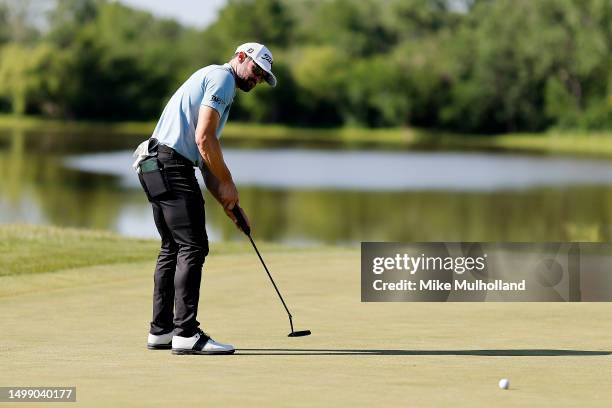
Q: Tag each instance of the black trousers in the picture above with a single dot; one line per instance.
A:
(181, 222)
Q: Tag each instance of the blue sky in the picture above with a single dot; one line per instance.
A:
(194, 13)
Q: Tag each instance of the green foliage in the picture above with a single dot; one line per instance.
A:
(118, 63)
(240, 21)
(317, 73)
(533, 64)
(271, 105)
(355, 27)
(418, 19)
(375, 93)
(14, 76)
(478, 66)
(4, 24)
(16, 23)
(67, 18)
(27, 75)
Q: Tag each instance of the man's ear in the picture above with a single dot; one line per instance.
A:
(241, 56)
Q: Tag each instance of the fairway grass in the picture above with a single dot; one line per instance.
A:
(86, 327)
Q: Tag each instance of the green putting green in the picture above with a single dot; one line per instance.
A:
(87, 328)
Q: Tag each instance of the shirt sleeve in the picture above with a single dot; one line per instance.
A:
(218, 90)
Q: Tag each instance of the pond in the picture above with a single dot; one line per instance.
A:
(304, 195)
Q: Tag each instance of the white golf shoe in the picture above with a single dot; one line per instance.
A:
(199, 343)
(159, 342)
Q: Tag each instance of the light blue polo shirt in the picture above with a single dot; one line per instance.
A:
(212, 86)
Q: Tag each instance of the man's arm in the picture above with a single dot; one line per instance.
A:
(219, 181)
(212, 183)
(208, 144)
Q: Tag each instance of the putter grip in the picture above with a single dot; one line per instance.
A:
(241, 221)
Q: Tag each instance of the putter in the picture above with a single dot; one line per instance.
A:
(247, 231)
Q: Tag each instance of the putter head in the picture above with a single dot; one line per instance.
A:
(300, 333)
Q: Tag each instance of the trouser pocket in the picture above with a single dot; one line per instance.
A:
(153, 178)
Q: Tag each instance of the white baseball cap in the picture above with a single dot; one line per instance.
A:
(262, 57)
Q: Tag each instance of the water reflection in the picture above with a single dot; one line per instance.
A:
(37, 186)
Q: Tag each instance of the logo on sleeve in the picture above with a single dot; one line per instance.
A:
(216, 99)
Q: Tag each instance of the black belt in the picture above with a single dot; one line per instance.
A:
(174, 155)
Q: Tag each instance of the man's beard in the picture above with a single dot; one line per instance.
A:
(244, 84)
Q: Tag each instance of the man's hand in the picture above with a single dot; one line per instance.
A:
(230, 213)
(228, 194)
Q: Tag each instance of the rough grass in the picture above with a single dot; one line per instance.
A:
(26, 249)
(29, 249)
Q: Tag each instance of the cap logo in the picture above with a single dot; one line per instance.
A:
(267, 57)
(250, 50)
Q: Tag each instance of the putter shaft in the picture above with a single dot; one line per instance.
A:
(241, 221)
(272, 280)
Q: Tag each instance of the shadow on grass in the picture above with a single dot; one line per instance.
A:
(374, 352)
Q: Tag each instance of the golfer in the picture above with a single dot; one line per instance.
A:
(187, 136)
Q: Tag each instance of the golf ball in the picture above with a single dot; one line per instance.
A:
(504, 383)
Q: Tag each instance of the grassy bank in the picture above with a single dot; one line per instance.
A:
(597, 144)
(33, 249)
(27, 249)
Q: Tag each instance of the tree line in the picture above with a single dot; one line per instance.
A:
(478, 66)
